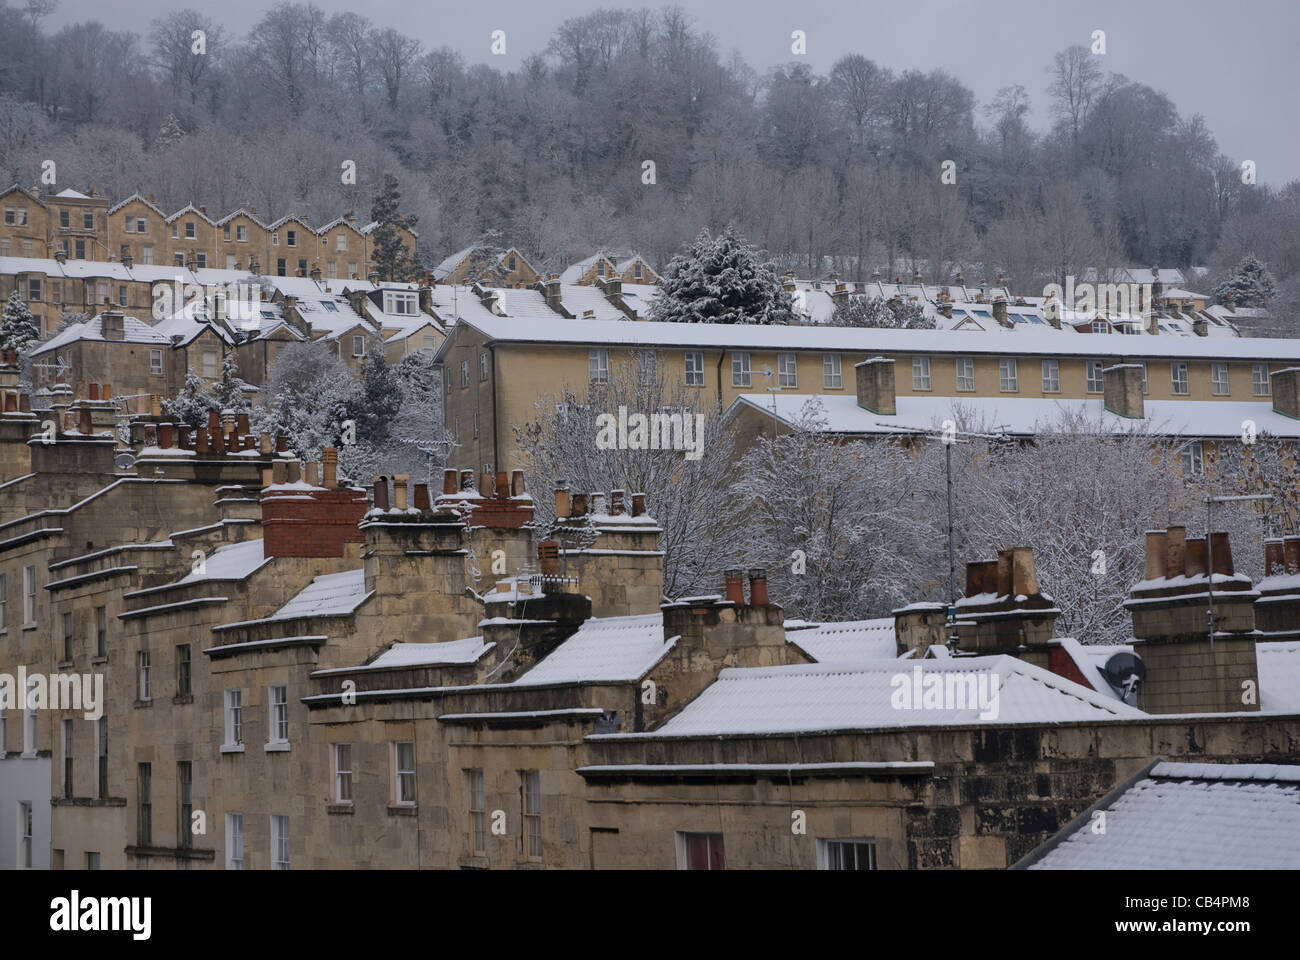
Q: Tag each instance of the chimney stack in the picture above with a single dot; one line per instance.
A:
(734, 589)
(758, 587)
(561, 500)
(1122, 390)
(1000, 312)
(381, 493)
(112, 325)
(876, 386)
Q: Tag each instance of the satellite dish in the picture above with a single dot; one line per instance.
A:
(124, 461)
(1125, 672)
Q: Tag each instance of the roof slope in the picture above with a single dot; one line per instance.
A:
(604, 650)
(851, 641)
(817, 697)
(1192, 816)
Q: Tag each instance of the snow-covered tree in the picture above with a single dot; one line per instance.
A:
(19, 328)
(1250, 284)
(843, 529)
(687, 496)
(310, 395)
(69, 317)
(876, 312)
(231, 392)
(721, 279)
(191, 403)
(391, 258)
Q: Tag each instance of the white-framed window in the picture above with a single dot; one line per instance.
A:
(921, 373)
(832, 372)
(146, 255)
(787, 374)
(189, 230)
(477, 811)
(1178, 375)
(694, 368)
(275, 239)
(482, 367)
(29, 596)
(128, 224)
(279, 841)
(532, 812)
(234, 713)
(92, 860)
(145, 690)
(1099, 326)
(291, 238)
(965, 374)
(24, 836)
(700, 851)
(740, 369)
(1259, 382)
(404, 773)
(209, 364)
(464, 374)
(1219, 379)
(16, 216)
(430, 344)
(231, 260)
(342, 773)
(598, 365)
(241, 233)
(225, 232)
(155, 362)
(340, 242)
(1096, 382)
(1007, 382)
(277, 721)
(401, 303)
(358, 345)
(851, 853)
(1193, 459)
(234, 841)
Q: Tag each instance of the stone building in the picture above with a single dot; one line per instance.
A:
(300, 671)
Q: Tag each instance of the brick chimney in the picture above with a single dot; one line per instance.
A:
(1000, 312)
(1004, 611)
(1122, 390)
(1286, 392)
(708, 634)
(876, 386)
(112, 324)
(1186, 673)
(1277, 611)
(302, 521)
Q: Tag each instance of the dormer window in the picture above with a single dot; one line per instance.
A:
(400, 303)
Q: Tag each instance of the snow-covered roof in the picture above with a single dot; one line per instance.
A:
(1022, 416)
(189, 323)
(468, 650)
(1191, 816)
(294, 218)
(847, 642)
(136, 198)
(189, 208)
(604, 650)
(329, 595)
(240, 212)
(724, 336)
(862, 695)
(133, 332)
(70, 194)
(456, 302)
(232, 561)
(1279, 676)
(578, 300)
(573, 273)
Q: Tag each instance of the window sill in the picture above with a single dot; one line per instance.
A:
(232, 748)
(402, 809)
(29, 626)
(63, 665)
(277, 747)
(143, 703)
(336, 809)
(179, 700)
(97, 660)
(478, 861)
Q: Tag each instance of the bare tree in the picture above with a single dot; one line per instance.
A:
(1077, 79)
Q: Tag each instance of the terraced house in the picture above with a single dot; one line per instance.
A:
(1194, 388)
(301, 671)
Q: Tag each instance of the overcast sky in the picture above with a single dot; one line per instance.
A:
(1235, 62)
